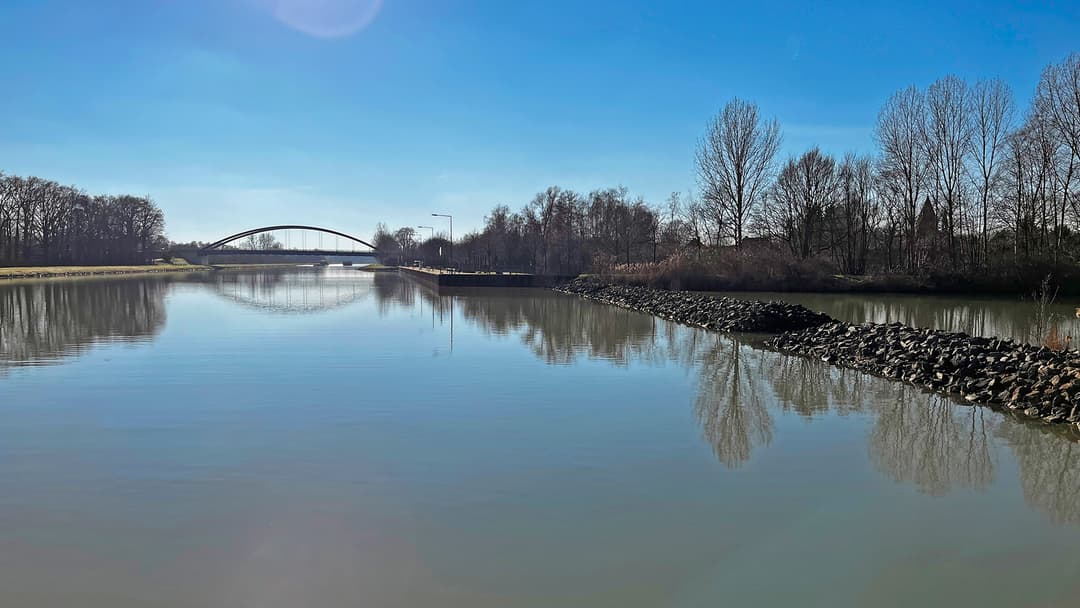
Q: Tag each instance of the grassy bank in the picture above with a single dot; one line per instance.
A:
(44, 272)
(47, 272)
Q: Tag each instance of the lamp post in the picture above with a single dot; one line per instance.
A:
(432, 229)
(451, 218)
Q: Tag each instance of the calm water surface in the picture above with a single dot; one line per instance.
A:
(336, 438)
(976, 315)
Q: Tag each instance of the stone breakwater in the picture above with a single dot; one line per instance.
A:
(699, 310)
(1034, 382)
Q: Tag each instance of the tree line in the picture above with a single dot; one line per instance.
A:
(558, 231)
(43, 222)
(959, 180)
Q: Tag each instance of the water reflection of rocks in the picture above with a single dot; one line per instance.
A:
(934, 444)
(44, 321)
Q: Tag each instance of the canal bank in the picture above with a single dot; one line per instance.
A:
(60, 272)
(45, 272)
(1032, 382)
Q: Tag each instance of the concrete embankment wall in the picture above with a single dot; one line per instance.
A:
(1033, 382)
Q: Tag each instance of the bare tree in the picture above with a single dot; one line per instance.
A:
(734, 163)
(406, 239)
(904, 165)
(706, 222)
(675, 230)
(43, 222)
(992, 115)
(388, 247)
(8, 192)
(855, 215)
(1058, 98)
(1030, 206)
(266, 241)
(804, 194)
(947, 137)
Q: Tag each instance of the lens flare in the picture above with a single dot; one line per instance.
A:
(324, 18)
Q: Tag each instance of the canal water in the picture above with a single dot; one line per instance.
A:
(339, 438)
(978, 315)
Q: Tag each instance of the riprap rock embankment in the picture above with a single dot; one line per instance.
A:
(700, 310)
(1036, 382)
(1033, 382)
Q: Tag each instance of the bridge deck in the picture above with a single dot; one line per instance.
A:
(314, 252)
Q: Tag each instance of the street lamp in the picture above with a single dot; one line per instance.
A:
(432, 229)
(451, 218)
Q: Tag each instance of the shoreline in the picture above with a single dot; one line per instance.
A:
(879, 284)
(1029, 382)
(61, 272)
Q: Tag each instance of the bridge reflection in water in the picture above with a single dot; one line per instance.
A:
(936, 446)
(292, 292)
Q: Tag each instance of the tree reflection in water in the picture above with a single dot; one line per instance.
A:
(393, 292)
(44, 321)
(730, 402)
(555, 328)
(1049, 469)
(917, 438)
(932, 442)
(809, 387)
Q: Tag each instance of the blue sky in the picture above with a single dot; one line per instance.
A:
(238, 113)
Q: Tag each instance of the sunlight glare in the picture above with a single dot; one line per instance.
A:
(325, 18)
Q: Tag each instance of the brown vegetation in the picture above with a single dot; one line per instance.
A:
(1055, 341)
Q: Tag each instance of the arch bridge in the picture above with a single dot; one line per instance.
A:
(264, 241)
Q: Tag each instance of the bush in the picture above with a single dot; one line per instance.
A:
(729, 269)
(762, 268)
